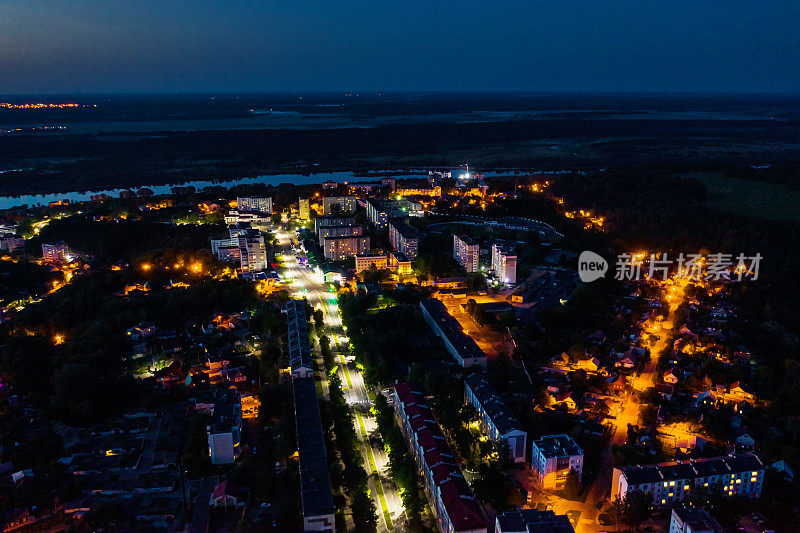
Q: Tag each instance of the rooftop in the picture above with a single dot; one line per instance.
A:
(709, 466)
(297, 324)
(451, 329)
(502, 418)
(534, 521)
(558, 446)
(315, 483)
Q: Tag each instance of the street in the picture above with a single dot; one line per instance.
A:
(383, 491)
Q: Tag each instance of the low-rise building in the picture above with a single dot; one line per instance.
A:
(691, 520)
(316, 498)
(225, 428)
(340, 248)
(532, 521)
(403, 238)
(366, 262)
(669, 483)
(297, 339)
(552, 457)
(399, 262)
(459, 344)
(466, 251)
(496, 419)
(455, 507)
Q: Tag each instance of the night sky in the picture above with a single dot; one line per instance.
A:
(64, 46)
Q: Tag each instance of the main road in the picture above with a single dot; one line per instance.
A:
(304, 282)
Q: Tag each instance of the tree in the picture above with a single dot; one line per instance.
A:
(363, 509)
(318, 317)
(572, 485)
(631, 509)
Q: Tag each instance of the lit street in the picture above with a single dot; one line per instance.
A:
(305, 283)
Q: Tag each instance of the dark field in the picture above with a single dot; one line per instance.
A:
(136, 141)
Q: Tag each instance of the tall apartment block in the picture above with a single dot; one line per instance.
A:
(55, 252)
(504, 263)
(340, 248)
(331, 220)
(339, 231)
(254, 204)
(304, 208)
(334, 205)
(466, 251)
(403, 238)
(244, 246)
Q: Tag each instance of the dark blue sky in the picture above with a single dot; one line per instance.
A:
(60, 46)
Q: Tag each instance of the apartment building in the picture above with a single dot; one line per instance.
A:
(297, 339)
(316, 499)
(235, 216)
(366, 261)
(252, 252)
(552, 457)
(449, 494)
(496, 420)
(254, 204)
(340, 248)
(11, 242)
(691, 520)
(304, 208)
(532, 521)
(336, 205)
(324, 222)
(466, 252)
(224, 427)
(56, 252)
(504, 263)
(669, 483)
(403, 238)
(399, 262)
(244, 246)
(460, 345)
(339, 231)
(381, 212)
(419, 190)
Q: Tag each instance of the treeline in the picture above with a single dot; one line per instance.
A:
(71, 162)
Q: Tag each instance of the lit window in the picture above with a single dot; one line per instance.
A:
(705, 484)
(755, 474)
(686, 487)
(671, 483)
(663, 501)
(738, 481)
(670, 495)
(665, 483)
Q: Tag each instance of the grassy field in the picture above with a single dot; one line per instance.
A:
(758, 199)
